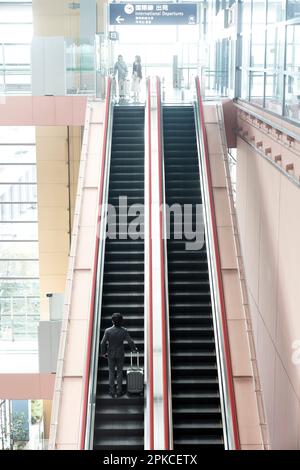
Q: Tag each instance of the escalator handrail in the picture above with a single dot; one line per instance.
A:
(217, 259)
(148, 266)
(105, 144)
(168, 444)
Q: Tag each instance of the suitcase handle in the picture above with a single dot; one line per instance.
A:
(137, 358)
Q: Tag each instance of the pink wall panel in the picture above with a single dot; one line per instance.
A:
(267, 206)
(16, 110)
(42, 110)
(63, 109)
(27, 386)
(79, 106)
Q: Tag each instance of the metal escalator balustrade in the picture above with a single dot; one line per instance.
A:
(119, 422)
(196, 405)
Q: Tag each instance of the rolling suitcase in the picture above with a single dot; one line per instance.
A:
(135, 377)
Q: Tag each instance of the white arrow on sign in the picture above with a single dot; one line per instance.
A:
(119, 19)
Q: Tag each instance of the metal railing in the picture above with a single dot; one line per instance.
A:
(168, 419)
(56, 402)
(237, 242)
(148, 288)
(228, 405)
(92, 355)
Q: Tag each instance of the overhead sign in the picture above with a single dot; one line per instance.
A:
(113, 35)
(153, 13)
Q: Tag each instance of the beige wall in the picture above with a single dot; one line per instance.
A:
(247, 391)
(268, 215)
(53, 204)
(101, 16)
(47, 405)
(55, 18)
(70, 380)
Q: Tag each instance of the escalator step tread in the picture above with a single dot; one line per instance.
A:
(193, 357)
(198, 441)
(119, 422)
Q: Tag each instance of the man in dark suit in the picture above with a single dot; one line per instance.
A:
(112, 347)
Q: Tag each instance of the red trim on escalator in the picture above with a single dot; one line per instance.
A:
(151, 389)
(162, 274)
(92, 306)
(219, 274)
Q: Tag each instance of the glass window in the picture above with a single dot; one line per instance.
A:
(17, 174)
(18, 80)
(16, 327)
(276, 11)
(8, 33)
(275, 48)
(258, 51)
(16, 31)
(19, 250)
(24, 268)
(293, 49)
(246, 50)
(17, 192)
(258, 46)
(151, 35)
(257, 88)
(22, 423)
(292, 97)
(245, 84)
(259, 13)
(274, 69)
(12, 288)
(156, 54)
(293, 9)
(11, 154)
(17, 135)
(246, 18)
(18, 231)
(258, 34)
(274, 93)
(15, 13)
(17, 54)
(19, 267)
(188, 33)
(20, 212)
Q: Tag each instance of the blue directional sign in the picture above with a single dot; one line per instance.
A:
(153, 13)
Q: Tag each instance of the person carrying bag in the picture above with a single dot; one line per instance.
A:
(136, 78)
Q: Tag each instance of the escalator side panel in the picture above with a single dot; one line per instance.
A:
(197, 418)
(119, 422)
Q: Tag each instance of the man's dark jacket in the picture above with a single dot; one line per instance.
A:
(113, 341)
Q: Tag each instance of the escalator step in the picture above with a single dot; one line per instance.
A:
(197, 419)
(119, 423)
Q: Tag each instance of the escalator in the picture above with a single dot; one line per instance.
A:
(119, 422)
(197, 418)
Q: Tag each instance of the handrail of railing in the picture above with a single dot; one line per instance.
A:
(88, 398)
(167, 392)
(231, 433)
(237, 241)
(149, 402)
(56, 402)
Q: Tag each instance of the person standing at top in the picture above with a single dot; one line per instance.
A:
(120, 68)
(136, 78)
(112, 347)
